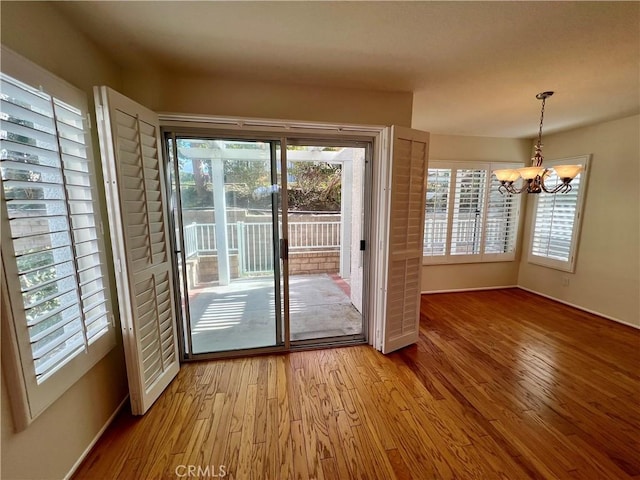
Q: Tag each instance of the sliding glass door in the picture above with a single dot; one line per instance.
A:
(269, 242)
(226, 201)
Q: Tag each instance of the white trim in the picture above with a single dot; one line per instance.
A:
(379, 226)
(267, 124)
(588, 310)
(34, 75)
(460, 290)
(95, 439)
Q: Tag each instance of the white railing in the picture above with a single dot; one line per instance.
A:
(255, 255)
(314, 235)
(190, 240)
(253, 242)
(466, 235)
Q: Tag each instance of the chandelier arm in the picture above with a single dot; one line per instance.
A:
(563, 187)
(509, 187)
(523, 189)
(548, 190)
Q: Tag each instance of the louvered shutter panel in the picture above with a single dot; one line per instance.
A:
(502, 220)
(554, 222)
(410, 149)
(437, 212)
(468, 211)
(130, 143)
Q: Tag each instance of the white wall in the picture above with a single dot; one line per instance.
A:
(474, 275)
(173, 92)
(607, 274)
(53, 443)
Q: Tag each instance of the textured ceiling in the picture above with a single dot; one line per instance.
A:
(474, 67)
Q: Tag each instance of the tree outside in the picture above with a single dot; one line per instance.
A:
(312, 185)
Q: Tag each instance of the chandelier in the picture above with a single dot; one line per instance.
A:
(534, 176)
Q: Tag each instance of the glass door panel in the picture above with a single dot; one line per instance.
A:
(325, 228)
(226, 205)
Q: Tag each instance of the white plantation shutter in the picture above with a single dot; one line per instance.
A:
(53, 253)
(467, 219)
(436, 221)
(134, 172)
(503, 214)
(410, 151)
(467, 212)
(556, 223)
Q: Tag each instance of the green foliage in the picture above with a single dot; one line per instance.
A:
(253, 173)
(313, 186)
(242, 178)
(317, 186)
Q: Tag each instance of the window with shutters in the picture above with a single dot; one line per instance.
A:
(466, 218)
(52, 248)
(556, 220)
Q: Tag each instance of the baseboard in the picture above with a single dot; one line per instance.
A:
(95, 439)
(579, 307)
(456, 290)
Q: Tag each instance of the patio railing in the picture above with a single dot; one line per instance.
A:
(252, 242)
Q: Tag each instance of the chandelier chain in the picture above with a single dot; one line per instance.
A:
(544, 99)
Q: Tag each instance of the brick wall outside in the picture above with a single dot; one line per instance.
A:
(313, 262)
(204, 269)
(207, 268)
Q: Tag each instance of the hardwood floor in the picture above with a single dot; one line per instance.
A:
(503, 384)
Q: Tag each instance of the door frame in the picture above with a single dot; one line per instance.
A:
(368, 137)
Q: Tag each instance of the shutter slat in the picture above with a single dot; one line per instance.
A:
(30, 98)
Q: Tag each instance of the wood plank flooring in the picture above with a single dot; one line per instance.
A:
(502, 384)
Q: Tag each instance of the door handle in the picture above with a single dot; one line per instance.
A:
(284, 249)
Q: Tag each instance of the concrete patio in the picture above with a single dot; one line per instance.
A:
(242, 314)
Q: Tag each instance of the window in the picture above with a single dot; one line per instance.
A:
(556, 221)
(52, 248)
(467, 219)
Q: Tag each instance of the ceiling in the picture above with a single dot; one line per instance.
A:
(474, 67)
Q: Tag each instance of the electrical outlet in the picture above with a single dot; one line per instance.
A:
(565, 281)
